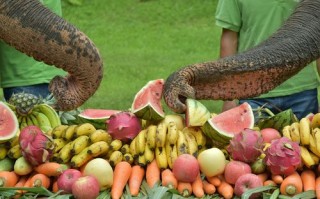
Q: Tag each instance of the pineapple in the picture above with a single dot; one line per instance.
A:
(24, 102)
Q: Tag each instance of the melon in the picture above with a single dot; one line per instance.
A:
(196, 113)
(147, 102)
(222, 127)
(96, 117)
(9, 125)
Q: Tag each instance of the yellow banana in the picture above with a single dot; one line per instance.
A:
(172, 154)
(116, 145)
(294, 132)
(161, 134)
(79, 144)
(313, 146)
(305, 131)
(198, 134)
(172, 133)
(3, 151)
(133, 150)
(151, 136)
(161, 157)
(148, 154)
(192, 144)
(58, 144)
(84, 129)
(51, 114)
(306, 157)
(315, 123)
(69, 131)
(81, 158)
(115, 158)
(182, 144)
(286, 132)
(14, 141)
(316, 133)
(14, 152)
(98, 148)
(43, 120)
(57, 131)
(65, 153)
(141, 161)
(141, 141)
(128, 158)
(100, 135)
(125, 149)
(315, 158)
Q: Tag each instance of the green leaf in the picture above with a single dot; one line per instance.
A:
(275, 194)
(248, 193)
(305, 195)
(36, 190)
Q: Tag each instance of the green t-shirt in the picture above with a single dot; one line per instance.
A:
(18, 69)
(255, 21)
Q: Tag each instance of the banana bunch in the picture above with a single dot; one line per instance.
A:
(307, 134)
(43, 116)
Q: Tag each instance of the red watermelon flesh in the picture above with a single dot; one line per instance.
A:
(9, 125)
(97, 113)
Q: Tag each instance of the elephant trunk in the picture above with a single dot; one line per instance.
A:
(256, 71)
(36, 31)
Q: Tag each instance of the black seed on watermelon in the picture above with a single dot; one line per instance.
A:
(9, 125)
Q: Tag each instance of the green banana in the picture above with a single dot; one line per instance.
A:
(43, 120)
(50, 113)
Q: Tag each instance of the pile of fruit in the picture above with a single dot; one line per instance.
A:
(145, 153)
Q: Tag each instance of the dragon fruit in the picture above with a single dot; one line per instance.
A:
(124, 126)
(246, 146)
(36, 147)
(283, 156)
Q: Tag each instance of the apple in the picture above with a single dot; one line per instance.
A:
(234, 169)
(186, 168)
(269, 134)
(67, 178)
(86, 187)
(212, 161)
(245, 182)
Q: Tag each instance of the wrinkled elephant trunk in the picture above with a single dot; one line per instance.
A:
(36, 31)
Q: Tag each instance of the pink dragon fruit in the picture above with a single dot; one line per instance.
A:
(246, 146)
(123, 126)
(36, 146)
(283, 156)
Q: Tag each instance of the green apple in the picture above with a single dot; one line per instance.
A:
(212, 162)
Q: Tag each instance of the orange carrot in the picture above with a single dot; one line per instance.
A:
(40, 179)
(208, 187)
(184, 188)
(197, 187)
(278, 179)
(153, 173)
(50, 168)
(8, 178)
(263, 176)
(225, 189)
(121, 175)
(291, 185)
(215, 180)
(168, 179)
(135, 180)
(55, 187)
(269, 182)
(308, 178)
(317, 187)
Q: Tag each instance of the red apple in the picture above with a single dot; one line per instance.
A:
(67, 178)
(269, 134)
(186, 168)
(245, 182)
(234, 169)
(86, 187)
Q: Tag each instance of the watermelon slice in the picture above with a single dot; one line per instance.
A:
(222, 127)
(97, 117)
(196, 113)
(147, 102)
(9, 125)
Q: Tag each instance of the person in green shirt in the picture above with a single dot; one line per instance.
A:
(245, 24)
(21, 73)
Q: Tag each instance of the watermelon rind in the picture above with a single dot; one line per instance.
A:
(196, 113)
(7, 114)
(279, 120)
(149, 113)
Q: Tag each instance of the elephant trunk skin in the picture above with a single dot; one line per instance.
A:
(256, 71)
(36, 31)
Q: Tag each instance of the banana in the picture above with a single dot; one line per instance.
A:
(294, 132)
(172, 134)
(43, 120)
(172, 154)
(315, 123)
(81, 158)
(3, 151)
(98, 148)
(306, 157)
(128, 158)
(115, 158)
(100, 135)
(65, 153)
(315, 158)
(182, 144)
(161, 157)
(116, 145)
(305, 131)
(14, 152)
(69, 131)
(192, 144)
(133, 150)
(58, 144)
(23, 123)
(161, 134)
(29, 121)
(84, 129)
(34, 119)
(12, 142)
(141, 141)
(51, 114)
(79, 144)
(286, 132)
(313, 146)
(316, 132)
(148, 154)
(57, 131)
(125, 149)
(198, 134)
(151, 136)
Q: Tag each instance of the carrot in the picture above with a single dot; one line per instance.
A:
(269, 182)
(208, 187)
(55, 187)
(121, 175)
(197, 187)
(168, 179)
(291, 185)
(225, 189)
(278, 179)
(184, 188)
(263, 176)
(50, 168)
(215, 180)
(317, 187)
(40, 179)
(153, 173)
(8, 178)
(135, 179)
(308, 178)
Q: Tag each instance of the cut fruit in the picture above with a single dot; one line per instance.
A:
(196, 113)
(222, 127)
(9, 125)
(96, 117)
(278, 121)
(147, 102)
